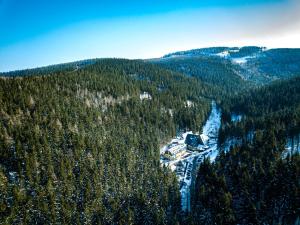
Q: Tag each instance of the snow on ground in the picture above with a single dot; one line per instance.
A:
(242, 60)
(211, 131)
(292, 146)
(235, 50)
(213, 152)
(231, 142)
(223, 54)
(185, 164)
(213, 124)
(236, 117)
(237, 141)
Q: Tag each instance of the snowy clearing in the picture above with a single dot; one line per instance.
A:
(223, 54)
(242, 60)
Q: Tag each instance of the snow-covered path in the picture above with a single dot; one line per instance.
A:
(211, 129)
(213, 124)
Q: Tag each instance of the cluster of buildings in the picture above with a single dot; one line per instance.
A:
(185, 153)
(175, 150)
(188, 141)
(180, 156)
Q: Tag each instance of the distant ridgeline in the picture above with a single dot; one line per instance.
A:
(81, 145)
(255, 64)
(46, 70)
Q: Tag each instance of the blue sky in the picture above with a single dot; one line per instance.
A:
(40, 32)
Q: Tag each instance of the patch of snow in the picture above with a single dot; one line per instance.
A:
(236, 118)
(204, 138)
(242, 60)
(234, 50)
(213, 124)
(292, 146)
(171, 112)
(13, 177)
(231, 142)
(223, 54)
(163, 149)
(213, 153)
(250, 136)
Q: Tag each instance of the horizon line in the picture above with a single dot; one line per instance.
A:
(99, 58)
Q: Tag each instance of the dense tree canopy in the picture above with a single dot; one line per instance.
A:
(79, 144)
(256, 181)
(81, 147)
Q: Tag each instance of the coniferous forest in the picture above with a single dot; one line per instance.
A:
(79, 142)
(256, 181)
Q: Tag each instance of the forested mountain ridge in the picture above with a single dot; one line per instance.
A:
(258, 65)
(219, 51)
(213, 71)
(81, 147)
(46, 70)
(276, 104)
(79, 144)
(254, 182)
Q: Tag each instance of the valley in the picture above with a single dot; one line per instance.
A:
(186, 162)
(80, 142)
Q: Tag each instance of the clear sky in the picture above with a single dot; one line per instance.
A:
(42, 32)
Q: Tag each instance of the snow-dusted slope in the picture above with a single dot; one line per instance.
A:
(256, 64)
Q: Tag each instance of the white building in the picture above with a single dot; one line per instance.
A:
(145, 95)
(176, 151)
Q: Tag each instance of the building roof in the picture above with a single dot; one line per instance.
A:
(193, 140)
(175, 149)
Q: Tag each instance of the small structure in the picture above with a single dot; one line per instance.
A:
(145, 95)
(193, 141)
(189, 104)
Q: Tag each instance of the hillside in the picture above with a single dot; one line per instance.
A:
(82, 147)
(256, 179)
(104, 141)
(276, 104)
(213, 71)
(46, 70)
(255, 64)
